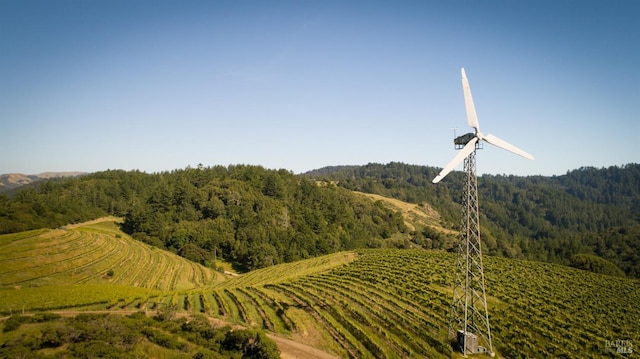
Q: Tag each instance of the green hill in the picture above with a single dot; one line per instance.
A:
(395, 303)
(551, 219)
(93, 253)
(255, 217)
(364, 304)
(247, 215)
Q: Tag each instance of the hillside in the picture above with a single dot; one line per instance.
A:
(94, 253)
(12, 181)
(415, 216)
(589, 210)
(363, 304)
(247, 215)
(255, 217)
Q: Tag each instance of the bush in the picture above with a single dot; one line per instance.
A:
(595, 264)
(14, 322)
(163, 339)
(44, 317)
(196, 323)
(251, 343)
(206, 354)
(53, 337)
(166, 312)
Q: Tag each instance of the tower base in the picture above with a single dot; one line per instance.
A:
(467, 343)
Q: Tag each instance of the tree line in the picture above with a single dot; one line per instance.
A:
(257, 217)
(248, 215)
(588, 210)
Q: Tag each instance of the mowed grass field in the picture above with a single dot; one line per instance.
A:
(95, 253)
(377, 303)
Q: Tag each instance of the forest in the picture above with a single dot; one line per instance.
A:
(257, 217)
(552, 219)
(247, 215)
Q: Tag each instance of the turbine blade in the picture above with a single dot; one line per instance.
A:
(506, 146)
(468, 148)
(472, 118)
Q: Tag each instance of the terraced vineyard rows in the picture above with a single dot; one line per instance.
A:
(370, 304)
(90, 296)
(395, 304)
(94, 254)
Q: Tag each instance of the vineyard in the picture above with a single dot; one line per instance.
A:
(395, 303)
(377, 303)
(93, 254)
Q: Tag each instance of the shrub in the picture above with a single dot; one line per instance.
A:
(13, 323)
(251, 343)
(196, 323)
(595, 264)
(53, 337)
(44, 317)
(163, 339)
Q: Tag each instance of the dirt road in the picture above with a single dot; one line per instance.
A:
(294, 350)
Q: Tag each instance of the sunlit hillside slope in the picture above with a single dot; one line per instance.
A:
(95, 253)
(376, 303)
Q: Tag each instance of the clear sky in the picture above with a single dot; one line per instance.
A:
(159, 85)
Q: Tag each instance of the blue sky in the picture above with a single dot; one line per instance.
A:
(160, 85)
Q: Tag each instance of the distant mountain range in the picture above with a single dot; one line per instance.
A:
(11, 181)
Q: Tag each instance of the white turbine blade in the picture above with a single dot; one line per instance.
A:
(505, 145)
(470, 147)
(472, 118)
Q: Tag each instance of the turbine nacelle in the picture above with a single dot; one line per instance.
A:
(470, 140)
(464, 139)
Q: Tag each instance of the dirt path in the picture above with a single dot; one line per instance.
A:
(97, 220)
(289, 349)
(294, 350)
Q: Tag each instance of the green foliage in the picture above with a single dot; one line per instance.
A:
(256, 217)
(93, 254)
(57, 202)
(44, 317)
(595, 264)
(396, 304)
(550, 219)
(114, 336)
(54, 336)
(373, 303)
(198, 323)
(253, 344)
(162, 339)
(166, 312)
(68, 296)
(248, 215)
(13, 323)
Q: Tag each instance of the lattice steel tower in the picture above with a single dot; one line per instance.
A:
(469, 318)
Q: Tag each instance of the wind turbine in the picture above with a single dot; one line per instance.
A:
(469, 318)
(470, 140)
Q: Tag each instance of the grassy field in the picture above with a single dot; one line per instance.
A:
(377, 303)
(414, 215)
(94, 253)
